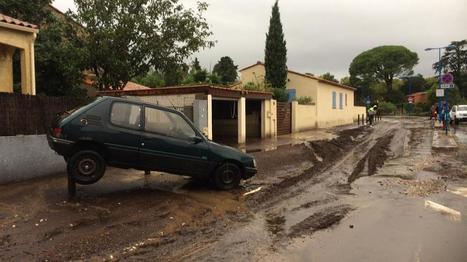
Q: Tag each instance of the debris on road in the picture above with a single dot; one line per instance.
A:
(252, 191)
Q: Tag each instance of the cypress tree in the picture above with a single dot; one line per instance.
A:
(275, 55)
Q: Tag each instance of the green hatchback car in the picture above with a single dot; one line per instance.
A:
(123, 133)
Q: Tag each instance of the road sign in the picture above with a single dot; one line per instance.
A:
(439, 92)
(445, 86)
(410, 99)
(447, 78)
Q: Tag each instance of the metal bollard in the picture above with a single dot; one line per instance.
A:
(358, 119)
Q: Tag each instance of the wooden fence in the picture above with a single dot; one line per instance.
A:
(30, 115)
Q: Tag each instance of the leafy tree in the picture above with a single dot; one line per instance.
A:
(383, 63)
(152, 79)
(455, 60)
(213, 79)
(127, 38)
(174, 73)
(226, 70)
(195, 65)
(200, 76)
(330, 77)
(275, 58)
(60, 55)
(345, 80)
(29, 11)
(413, 84)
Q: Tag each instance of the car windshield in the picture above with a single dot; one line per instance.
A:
(462, 108)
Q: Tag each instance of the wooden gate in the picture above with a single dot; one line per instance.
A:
(284, 118)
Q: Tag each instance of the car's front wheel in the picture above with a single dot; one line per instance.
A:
(86, 167)
(227, 176)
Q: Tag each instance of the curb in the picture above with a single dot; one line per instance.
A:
(441, 141)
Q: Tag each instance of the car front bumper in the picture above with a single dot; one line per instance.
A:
(250, 171)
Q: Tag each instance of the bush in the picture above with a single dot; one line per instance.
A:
(305, 100)
(387, 108)
(280, 94)
(252, 86)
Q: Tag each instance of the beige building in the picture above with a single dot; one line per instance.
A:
(16, 35)
(332, 103)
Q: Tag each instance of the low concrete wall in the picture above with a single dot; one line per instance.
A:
(25, 157)
(303, 117)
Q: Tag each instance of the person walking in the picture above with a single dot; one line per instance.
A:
(371, 114)
(433, 112)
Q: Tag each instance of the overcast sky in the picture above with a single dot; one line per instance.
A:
(325, 35)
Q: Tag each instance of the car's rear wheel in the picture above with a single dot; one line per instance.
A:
(227, 176)
(86, 167)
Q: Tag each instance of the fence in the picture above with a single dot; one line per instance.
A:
(284, 118)
(31, 115)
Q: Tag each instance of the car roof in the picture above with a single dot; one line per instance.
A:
(123, 99)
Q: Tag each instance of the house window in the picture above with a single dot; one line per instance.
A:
(334, 100)
(345, 99)
(341, 101)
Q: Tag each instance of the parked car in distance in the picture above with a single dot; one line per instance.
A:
(123, 133)
(458, 113)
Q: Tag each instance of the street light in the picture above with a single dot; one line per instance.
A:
(446, 109)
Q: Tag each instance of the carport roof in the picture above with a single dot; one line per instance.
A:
(215, 91)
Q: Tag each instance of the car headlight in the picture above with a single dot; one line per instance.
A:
(254, 163)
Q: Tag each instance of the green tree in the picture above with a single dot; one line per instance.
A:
(275, 58)
(127, 38)
(195, 66)
(152, 79)
(330, 77)
(226, 70)
(174, 73)
(345, 80)
(200, 76)
(60, 55)
(455, 60)
(383, 63)
(413, 84)
(29, 11)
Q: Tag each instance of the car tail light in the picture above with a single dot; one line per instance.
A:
(56, 131)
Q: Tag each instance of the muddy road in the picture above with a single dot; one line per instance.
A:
(368, 194)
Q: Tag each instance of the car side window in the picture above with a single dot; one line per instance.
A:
(167, 123)
(125, 115)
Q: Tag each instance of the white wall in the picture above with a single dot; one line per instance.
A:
(303, 117)
(25, 157)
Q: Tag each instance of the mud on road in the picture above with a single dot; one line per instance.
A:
(131, 216)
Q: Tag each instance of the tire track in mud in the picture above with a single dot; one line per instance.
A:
(324, 154)
(374, 159)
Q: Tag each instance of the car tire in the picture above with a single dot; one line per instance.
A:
(227, 176)
(456, 121)
(86, 167)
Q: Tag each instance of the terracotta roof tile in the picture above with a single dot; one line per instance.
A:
(13, 21)
(134, 86)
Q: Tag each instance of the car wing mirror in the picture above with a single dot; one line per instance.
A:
(197, 139)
